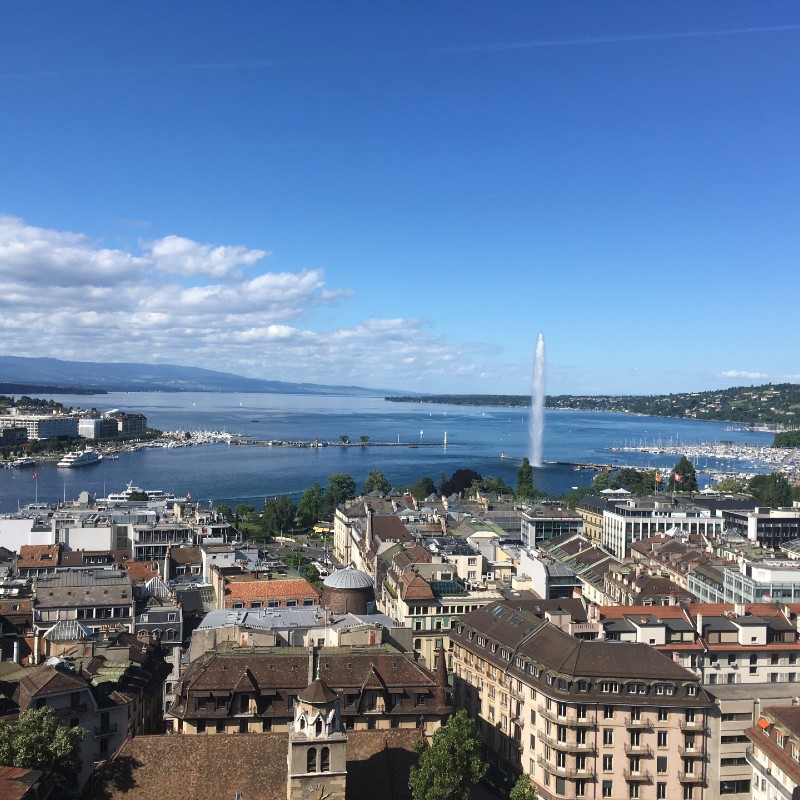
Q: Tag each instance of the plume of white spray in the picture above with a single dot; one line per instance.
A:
(536, 421)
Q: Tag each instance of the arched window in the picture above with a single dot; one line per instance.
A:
(318, 726)
(418, 644)
(311, 759)
(302, 723)
(325, 766)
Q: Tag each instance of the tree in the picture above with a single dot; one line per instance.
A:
(683, 478)
(525, 490)
(279, 515)
(772, 490)
(244, 510)
(364, 439)
(523, 789)
(489, 485)
(730, 486)
(138, 496)
(309, 509)
(224, 511)
(376, 482)
(636, 481)
(40, 741)
(341, 487)
(344, 438)
(423, 488)
(451, 764)
(459, 482)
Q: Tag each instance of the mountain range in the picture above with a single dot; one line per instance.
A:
(19, 374)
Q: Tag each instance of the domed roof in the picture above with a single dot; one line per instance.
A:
(348, 578)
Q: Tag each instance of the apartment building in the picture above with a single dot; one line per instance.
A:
(774, 753)
(253, 689)
(543, 522)
(583, 718)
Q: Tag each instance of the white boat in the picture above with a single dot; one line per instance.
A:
(80, 458)
(153, 495)
(26, 461)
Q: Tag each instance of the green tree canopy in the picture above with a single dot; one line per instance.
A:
(344, 438)
(341, 487)
(683, 477)
(376, 482)
(364, 439)
(278, 515)
(523, 789)
(244, 510)
(730, 486)
(309, 509)
(40, 741)
(423, 488)
(224, 511)
(451, 764)
(525, 490)
(772, 490)
(787, 439)
(489, 485)
(459, 481)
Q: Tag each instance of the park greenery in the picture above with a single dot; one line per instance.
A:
(451, 764)
(39, 741)
(787, 439)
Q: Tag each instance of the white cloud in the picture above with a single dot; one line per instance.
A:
(182, 302)
(739, 373)
(180, 256)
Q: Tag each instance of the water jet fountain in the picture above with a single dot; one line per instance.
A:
(536, 421)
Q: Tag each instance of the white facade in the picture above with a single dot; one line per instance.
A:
(42, 426)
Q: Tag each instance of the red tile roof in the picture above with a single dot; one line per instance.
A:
(244, 591)
(38, 556)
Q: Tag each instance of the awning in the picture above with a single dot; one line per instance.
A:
(762, 723)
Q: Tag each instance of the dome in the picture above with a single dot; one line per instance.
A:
(348, 578)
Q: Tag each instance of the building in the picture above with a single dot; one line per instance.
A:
(544, 522)
(100, 599)
(253, 689)
(770, 527)
(627, 521)
(774, 753)
(770, 580)
(583, 718)
(42, 426)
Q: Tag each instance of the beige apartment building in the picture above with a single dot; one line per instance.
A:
(586, 719)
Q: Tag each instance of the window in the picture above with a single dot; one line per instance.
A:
(325, 760)
(608, 712)
(311, 759)
(608, 763)
(608, 736)
(661, 791)
(661, 739)
(633, 790)
(608, 788)
(779, 738)
(661, 764)
(663, 714)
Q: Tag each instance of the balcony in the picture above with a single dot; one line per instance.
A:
(691, 777)
(566, 772)
(640, 723)
(639, 750)
(72, 711)
(567, 747)
(567, 719)
(691, 752)
(692, 724)
(105, 730)
(638, 776)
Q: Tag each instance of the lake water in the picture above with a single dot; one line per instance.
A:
(476, 437)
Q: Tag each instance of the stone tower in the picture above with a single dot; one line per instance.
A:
(317, 746)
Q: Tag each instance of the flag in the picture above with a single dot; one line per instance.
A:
(33, 476)
(188, 495)
(677, 477)
(659, 477)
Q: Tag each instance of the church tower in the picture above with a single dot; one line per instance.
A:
(317, 746)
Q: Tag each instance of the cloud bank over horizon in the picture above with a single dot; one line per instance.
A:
(219, 307)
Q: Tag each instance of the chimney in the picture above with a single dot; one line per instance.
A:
(699, 625)
(577, 592)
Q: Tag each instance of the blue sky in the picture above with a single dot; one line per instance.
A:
(405, 194)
